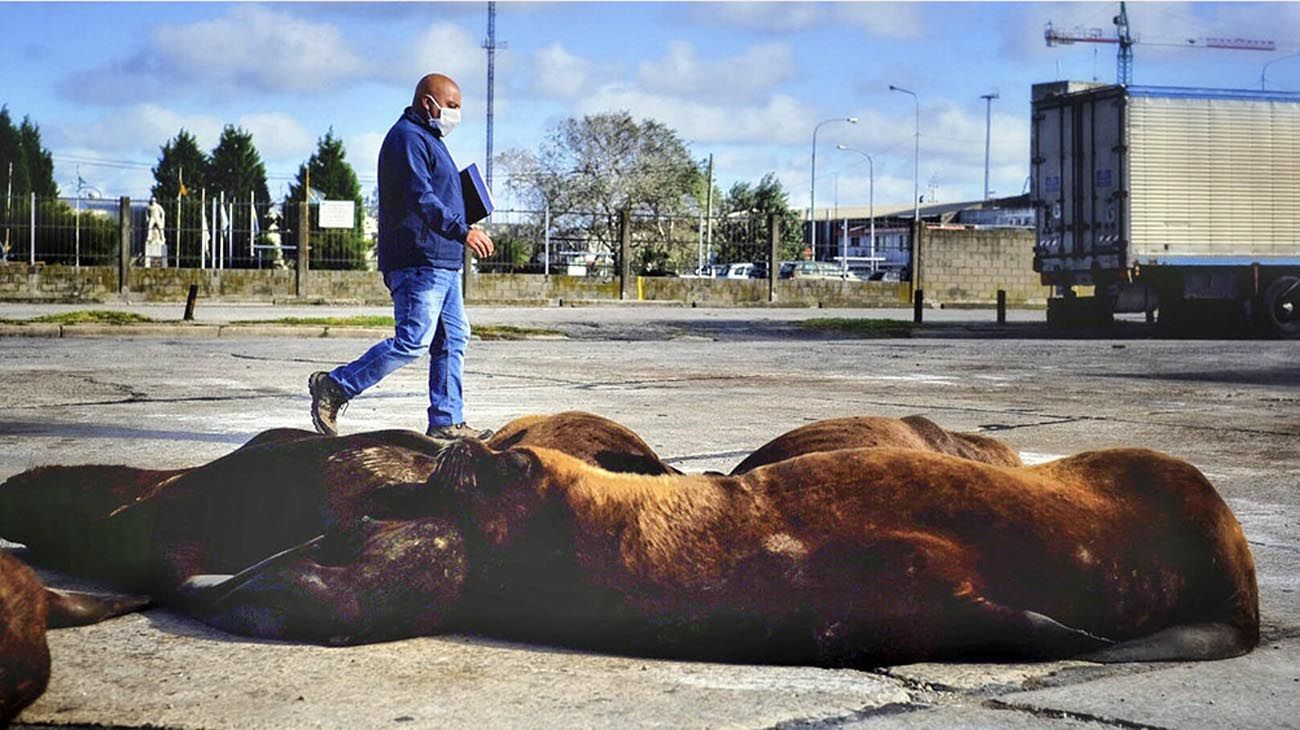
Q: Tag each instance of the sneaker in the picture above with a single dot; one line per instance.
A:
(327, 402)
(458, 431)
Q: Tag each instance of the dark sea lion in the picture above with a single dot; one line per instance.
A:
(859, 556)
(27, 609)
(145, 530)
(403, 581)
(912, 432)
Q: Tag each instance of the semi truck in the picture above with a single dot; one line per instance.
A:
(1179, 202)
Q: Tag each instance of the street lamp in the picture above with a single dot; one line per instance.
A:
(916, 187)
(871, 198)
(988, 118)
(1264, 70)
(812, 187)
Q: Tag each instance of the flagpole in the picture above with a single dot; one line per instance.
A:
(180, 190)
(203, 220)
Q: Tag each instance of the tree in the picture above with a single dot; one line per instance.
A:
(33, 167)
(329, 173)
(235, 168)
(591, 168)
(179, 157)
(40, 163)
(742, 228)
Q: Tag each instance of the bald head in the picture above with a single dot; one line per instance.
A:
(445, 91)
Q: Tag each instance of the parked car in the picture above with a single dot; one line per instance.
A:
(818, 270)
(883, 275)
(787, 269)
(739, 271)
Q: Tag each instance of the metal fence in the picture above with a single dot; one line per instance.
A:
(196, 231)
(74, 231)
(587, 243)
(210, 232)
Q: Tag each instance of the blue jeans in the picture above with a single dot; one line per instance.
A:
(430, 313)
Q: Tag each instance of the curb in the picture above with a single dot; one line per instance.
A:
(213, 331)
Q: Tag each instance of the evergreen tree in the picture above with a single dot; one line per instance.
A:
(329, 173)
(179, 156)
(236, 169)
(11, 153)
(33, 167)
(40, 163)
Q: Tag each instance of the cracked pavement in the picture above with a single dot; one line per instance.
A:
(1230, 407)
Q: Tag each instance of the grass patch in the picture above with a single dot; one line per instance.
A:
(511, 332)
(92, 316)
(882, 328)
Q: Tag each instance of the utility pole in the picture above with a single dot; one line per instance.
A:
(988, 118)
(708, 215)
(491, 46)
(8, 207)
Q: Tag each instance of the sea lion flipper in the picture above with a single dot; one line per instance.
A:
(1186, 642)
(74, 608)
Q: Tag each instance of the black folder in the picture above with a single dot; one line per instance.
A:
(478, 199)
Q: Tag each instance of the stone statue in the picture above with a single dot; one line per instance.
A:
(155, 243)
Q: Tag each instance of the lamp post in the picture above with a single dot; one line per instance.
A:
(988, 119)
(812, 186)
(916, 187)
(1264, 70)
(871, 197)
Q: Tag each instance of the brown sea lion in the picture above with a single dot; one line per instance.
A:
(912, 432)
(857, 556)
(586, 436)
(27, 609)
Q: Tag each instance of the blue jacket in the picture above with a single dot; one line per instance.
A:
(421, 207)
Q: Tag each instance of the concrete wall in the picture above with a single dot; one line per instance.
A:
(969, 266)
(958, 267)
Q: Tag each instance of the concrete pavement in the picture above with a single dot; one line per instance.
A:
(703, 401)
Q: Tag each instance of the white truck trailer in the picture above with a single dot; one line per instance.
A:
(1181, 201)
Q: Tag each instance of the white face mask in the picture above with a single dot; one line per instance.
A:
(447, 120)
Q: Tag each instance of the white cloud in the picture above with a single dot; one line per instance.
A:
(559, 74)
(444, 48)
(255, 48)
(774, 17)
(279, 136)
(140, 128)
(781, 119)
(904, 21)
(750, 74)
(363, 153)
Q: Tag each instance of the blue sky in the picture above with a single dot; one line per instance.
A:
(745, 82)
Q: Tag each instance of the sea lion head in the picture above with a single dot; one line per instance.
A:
(494, 493)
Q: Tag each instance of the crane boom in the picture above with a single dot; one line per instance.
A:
(1125, 40)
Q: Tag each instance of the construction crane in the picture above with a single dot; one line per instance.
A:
(1125, 40)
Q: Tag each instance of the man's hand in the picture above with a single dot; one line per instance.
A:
(480, 243)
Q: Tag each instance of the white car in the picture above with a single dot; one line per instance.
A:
(739, 271)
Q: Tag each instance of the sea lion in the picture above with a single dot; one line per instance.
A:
(149, 530)
(27, 609)
(594, 439)
(912, 432)
(855, 557)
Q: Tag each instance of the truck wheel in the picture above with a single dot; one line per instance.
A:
(1281, 310)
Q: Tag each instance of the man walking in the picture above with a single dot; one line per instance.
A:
(422, 235)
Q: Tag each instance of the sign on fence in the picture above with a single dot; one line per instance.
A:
(336, 213)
